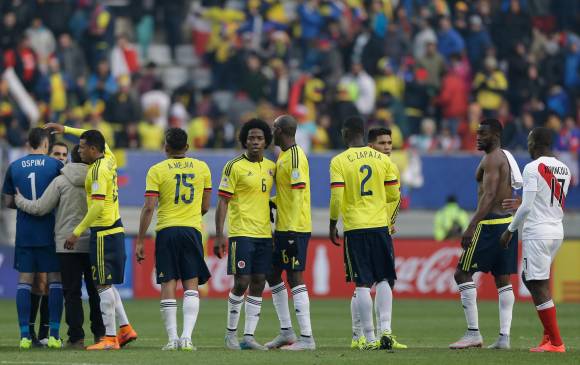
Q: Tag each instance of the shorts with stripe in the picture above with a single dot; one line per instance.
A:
(282, 242)
(107, 253)
(249, 255)
(485, 253)
(369, 256)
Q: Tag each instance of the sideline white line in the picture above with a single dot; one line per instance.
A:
(48, 362)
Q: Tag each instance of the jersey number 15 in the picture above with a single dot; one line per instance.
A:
(181, 179)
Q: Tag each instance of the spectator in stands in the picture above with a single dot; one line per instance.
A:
(517, 75)
(453, 98)
(515, 133)
(341, 107)
(572, 66)
(53, 88)
(42, 41)
(9, 31)
(124, 58)
(123, 112)
(426, 141)
(450, 221)
(416, 98)
(25, 63)
(71, 59)
(397, 43)
(173, 14)
(365, 85)
(512, 27)
(100, 34)
(384, 118)
(156, 103)
(447, 141)
(150, 134)
(477, 42)
(448, 40)
(490, 86)
(311, 22)
(101, 84)
(434, 63)
(558, 101)
(253, 81)
(552, 66)
(388, 81)
(425, 35)
(279, 85)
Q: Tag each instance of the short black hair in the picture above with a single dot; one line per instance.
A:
(51, 147)
(36, 136)
(354, 124)
(255, 123)
(543, 137)
(176, 139)
(374, 133)
(75, 156)
(493, 124)
(94, 138)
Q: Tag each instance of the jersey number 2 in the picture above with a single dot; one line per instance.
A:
(369, 173)
(182, 180)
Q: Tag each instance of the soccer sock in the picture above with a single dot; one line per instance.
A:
(107, 297)
(169, 315)
(364, 303)
(384, 305)
(120, 309)
(34, 304)
(234, 309)
(302, 308)
(356, 330)
(55, 305)
(43, 329)
(253, 308)
(469, 301)
(547, 313)
(506, 306)
(190, 312)
(280, 299)
(23, 308)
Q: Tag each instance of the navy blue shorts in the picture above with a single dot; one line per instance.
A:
(485, 253)
(369, 256)
(36, 259)
(107, 245)
(283, 250)
(179, 255)
(249, 255)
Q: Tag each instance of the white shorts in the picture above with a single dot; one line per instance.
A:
(538, 256)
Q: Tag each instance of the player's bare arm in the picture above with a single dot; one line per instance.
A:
(205, 202)
(9, 201)
(55, 127)
(144, 222)
(219, 246)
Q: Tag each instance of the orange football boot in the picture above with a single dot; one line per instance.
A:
(548, 347)
(126, 334)
(106, 343)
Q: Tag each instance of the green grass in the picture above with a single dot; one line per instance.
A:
(426, 326)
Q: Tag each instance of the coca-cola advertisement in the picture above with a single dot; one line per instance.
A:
(424, 269)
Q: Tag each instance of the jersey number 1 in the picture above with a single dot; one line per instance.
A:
(369, 173)
(32, 177)
(182, 180)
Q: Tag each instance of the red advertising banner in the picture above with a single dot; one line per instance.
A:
(424, 269)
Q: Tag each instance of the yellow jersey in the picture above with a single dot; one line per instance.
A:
(362, 181)
(248, 184)
(293, 191)
(179, 183)
(394, 206)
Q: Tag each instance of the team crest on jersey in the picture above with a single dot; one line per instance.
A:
(95, 186)
(241, 264)
(295, 174)
(225, 182)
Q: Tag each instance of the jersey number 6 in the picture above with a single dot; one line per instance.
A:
(182, 180)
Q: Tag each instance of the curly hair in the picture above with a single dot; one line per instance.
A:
(255, 123)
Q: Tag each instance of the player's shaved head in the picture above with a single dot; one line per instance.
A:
(355, 125)
(287, 125)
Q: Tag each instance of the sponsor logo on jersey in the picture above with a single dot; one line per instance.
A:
(295, 174)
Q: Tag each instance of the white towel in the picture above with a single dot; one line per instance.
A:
(516, 175)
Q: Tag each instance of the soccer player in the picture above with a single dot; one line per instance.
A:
(546, 183)
(59, 151)
(182, 187)
(480, 241)
(362, 182)
(67, 193)
(293, 229)
(244, 195)
(107, 238)
(380, 139)
(35, 248)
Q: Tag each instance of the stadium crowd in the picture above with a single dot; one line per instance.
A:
(429, 70)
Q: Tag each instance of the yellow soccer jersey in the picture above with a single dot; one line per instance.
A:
(362, 180)
(393, 207)
(101, 184)
(179, 183)
(248, 185)
(293, 191)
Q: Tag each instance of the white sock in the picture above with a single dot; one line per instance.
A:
(253, 308)
(302, 308)
(548, 304)
(384, 305)
(468, 294)
(234, 309)
(506, 306)
(108, 311)
(280, 299)
(190, 311)
(169, 315)
(119, 309)
(364, 303)
(356, 329)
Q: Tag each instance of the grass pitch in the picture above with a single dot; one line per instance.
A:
(426, 326)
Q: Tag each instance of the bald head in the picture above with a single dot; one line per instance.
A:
(285, 131)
